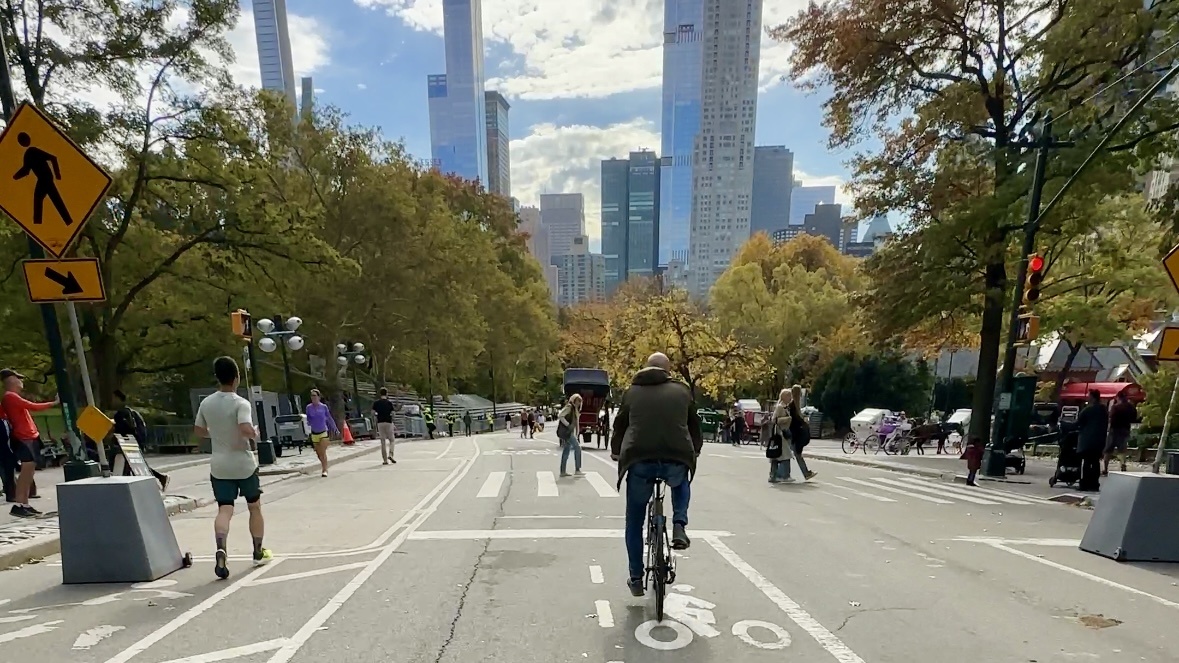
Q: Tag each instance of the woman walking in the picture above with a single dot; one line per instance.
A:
(780, 426)
(320, 421)
(567, 423)
(800, 433)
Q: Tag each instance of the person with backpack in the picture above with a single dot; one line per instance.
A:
(129, 422)
(800, 432)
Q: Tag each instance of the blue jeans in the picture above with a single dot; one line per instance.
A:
(640, 484)
(572, 444)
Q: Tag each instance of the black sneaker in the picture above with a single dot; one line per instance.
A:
(221, 566)
(21, 511)
(635, 585)
(33, 512)
(679, 537)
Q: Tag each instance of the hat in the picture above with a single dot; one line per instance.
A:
(6, 373)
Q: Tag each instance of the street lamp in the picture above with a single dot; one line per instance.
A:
(282, 337)
(356, 355)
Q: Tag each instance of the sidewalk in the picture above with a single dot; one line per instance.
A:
(22, 540)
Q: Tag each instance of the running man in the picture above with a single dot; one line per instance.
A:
(226, 419)
(44, 168)
(383, 409)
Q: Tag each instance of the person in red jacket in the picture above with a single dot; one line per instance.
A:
(24, 437)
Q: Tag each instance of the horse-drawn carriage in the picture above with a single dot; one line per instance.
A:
(594, 386)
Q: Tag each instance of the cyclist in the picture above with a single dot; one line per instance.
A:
(656, 436)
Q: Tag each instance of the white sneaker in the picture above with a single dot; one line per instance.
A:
(323, 474)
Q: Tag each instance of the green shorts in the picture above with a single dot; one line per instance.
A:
(226, 491)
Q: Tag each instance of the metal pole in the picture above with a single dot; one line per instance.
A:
(286, 367)
(355, 392)
(76, 329)
(1162, 450)
(429, 376)
(259, 405)
(494, 395)
(996, 460)
(78, 467)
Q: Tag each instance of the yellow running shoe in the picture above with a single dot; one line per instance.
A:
(263, 557)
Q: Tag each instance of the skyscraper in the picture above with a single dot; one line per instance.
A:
(458, 111)
(683, 94)
(538, 245)
(307, 98)
(804, 199)
(630, 217)
(274, 48)
(563, 214)
(499, 165)
(722, 177)
(581, 274)
(773, 177)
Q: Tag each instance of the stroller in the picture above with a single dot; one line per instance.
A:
(1068, 464)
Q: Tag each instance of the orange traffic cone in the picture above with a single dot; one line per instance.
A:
(347, 431)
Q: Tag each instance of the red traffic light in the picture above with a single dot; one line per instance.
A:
(1035, 263)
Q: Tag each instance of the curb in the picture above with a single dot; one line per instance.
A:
(313, 466)
(892, 467)
(51, 545)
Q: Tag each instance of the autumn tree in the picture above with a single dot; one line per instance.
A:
(953, 91)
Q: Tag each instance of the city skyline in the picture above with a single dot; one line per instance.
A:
(456, 99)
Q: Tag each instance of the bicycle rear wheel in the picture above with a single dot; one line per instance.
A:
(661, 565)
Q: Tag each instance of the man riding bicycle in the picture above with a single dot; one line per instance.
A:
(656, 436)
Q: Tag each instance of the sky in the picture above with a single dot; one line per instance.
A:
(582, 78)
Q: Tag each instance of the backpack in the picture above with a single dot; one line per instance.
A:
(140, 426)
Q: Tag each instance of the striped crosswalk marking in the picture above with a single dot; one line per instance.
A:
(546, 484)
(977, 492)
(933, 490)
(887, 489)
(493, 484)
(603, 487)
(878, 498)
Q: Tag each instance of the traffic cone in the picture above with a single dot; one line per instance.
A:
(347, 431)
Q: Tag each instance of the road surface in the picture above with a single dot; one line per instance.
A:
(472, 549)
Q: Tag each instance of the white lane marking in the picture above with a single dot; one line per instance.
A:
(1081, 574)
(605, 615)
(188, 615)
(596, 576)
(973, 492)
(683, 635)
(898, 491)
(540, 517)
(230, 654)
(494, 483)
(826, 639)
(878, 498)
(30, 631)
(93, 636)
(308, 574)
(938, 492)
(600, 484)
(480, 534)
(17, 618)
(992, 492)
(990, 540)
(288, 651)
(741, 630)
(446, 450)
(546, 485)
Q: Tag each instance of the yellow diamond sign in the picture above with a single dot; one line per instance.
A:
(50, 186)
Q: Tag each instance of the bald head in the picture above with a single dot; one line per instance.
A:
(659, 360)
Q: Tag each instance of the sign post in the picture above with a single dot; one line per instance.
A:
(55, 188)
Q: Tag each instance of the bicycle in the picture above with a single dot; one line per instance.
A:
(660, 560)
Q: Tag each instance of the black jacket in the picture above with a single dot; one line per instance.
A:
(1092, 424)
(657, 421)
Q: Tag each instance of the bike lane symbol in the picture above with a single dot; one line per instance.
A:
(688, 616)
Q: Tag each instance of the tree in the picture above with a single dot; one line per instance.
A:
(887, 381)
(952, 89)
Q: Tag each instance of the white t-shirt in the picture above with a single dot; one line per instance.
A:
(221, 413)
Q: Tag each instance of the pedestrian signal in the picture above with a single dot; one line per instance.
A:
(1028, 329)
(1031, 291)
(242, 326)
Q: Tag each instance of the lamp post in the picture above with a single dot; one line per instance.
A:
(356, 356)
(282, 336)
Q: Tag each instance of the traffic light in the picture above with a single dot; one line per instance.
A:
(1031, 290)
(242, 326)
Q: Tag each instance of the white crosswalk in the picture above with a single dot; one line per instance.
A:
(930, 491)
(546, 485)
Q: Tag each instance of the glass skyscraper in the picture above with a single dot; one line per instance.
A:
(499, 165)
(630, 217)
(458, 108)
(773, 177)
(274, 48)
(683, 85)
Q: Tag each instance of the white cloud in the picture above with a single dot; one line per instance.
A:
(361, 86)
(843, 194)
(582, 48)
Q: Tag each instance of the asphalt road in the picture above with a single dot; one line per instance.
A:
(473, 550)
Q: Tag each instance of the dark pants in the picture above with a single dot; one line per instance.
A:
(640, 485)
(8, 474)
(1090, 471)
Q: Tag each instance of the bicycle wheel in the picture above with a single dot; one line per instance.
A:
(660, 571)
(850, 443)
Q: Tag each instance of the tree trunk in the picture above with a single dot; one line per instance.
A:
(1073, 350)
(104, 352)
(990, 339)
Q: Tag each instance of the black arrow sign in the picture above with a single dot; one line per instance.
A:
(68, 282)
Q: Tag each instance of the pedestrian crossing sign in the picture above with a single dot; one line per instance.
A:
(51, 186)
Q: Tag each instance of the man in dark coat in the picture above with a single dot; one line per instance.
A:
(656, 436)
(1092, 424)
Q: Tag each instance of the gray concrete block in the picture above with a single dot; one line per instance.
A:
(1133, 519)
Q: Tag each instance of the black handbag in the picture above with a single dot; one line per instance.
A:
(774, 446)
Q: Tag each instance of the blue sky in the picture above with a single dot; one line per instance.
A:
(582, 77)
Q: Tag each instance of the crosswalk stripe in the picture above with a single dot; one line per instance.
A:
(546, 484)
(600, 484)
(990, 494)
(887, 489)
(878, 498)
(937, 491)
(491, 487)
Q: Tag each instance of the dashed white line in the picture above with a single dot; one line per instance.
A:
(599, 483)
(546, 485)
(493, 484)
(898, 491)
(498, 534)
(605, 615)
(596, 576)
